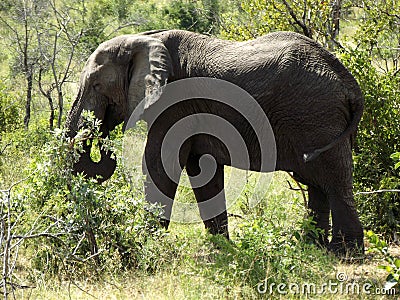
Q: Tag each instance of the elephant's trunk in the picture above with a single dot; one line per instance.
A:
(73, 118)
(106, 166)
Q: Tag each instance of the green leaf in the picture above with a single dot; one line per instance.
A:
(386, 268)
(395, 155)
(397, 263)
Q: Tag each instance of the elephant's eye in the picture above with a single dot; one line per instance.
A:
(97, 87)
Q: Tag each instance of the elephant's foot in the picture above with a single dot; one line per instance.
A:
(347, 232)
(218, 225)
(210, 196)
(318, 238)
(348, 248)
(164, 223)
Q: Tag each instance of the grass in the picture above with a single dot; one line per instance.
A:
(267, 250)
(195, 265)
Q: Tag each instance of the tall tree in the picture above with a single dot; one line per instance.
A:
(318, 20)
(58, 37)
(18, 17)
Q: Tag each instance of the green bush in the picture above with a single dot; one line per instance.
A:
(270, 248)
(10, 117)
(197, 16)
(83, 226)
(391, 263)
(18, 148)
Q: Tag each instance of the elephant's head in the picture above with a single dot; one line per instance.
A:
(116, 77)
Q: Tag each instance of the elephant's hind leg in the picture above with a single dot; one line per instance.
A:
(209, 192)
(347, 232)
(320, 211)
(332, 173)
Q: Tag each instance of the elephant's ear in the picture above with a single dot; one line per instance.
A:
(149, 68)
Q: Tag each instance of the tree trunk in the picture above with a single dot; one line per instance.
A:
(335, 27)
(28, 71)
(51, 118)
(47, 94)
(60, 107)
(28, 102)
(337, 6)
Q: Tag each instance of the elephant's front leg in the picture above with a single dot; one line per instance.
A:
(207, 180)
(160, 190)
(162, 175)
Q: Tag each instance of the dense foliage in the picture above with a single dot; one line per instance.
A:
(75, 226)
(9, 110)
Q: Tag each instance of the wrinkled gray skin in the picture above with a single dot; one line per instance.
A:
(313, 104)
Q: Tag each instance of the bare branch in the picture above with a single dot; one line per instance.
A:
(4, 148)
(299, 188)
(235, 216)
(124, 26)
(378, 191)
(303, 26)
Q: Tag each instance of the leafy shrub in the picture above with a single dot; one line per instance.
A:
(83, 226)
(392, 264)
(18, 148)
(270, 248)
(396, 158)
(9, 111)
(197, 16)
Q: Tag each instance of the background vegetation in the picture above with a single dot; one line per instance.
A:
(61, 231)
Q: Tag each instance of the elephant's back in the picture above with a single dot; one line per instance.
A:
(304, 89)
(289, 68)
(279, 36)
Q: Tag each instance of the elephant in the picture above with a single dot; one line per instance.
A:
(313, 103)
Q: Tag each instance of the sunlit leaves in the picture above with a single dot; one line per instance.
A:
(258, 17)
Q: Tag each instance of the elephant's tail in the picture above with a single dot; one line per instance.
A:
(357, 107)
